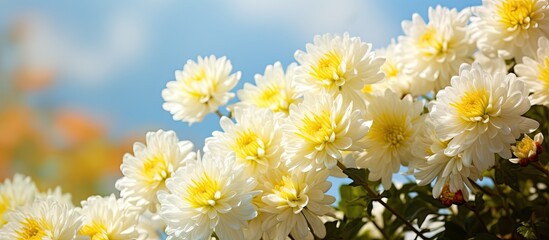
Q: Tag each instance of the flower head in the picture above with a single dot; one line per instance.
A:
(389, 141)
(534, 72)
(273, 90)
(109, 218)
(15, 193)
(481, 114)
(200, 88)
(255, 139)
(510, 28)
(318, 129)
(206, 195)
(43, 219)
(527, 150)
(337, 65)
(146, 171)
(432, 52)
(293, 202)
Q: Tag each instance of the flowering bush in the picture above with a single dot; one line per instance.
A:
(460, 98)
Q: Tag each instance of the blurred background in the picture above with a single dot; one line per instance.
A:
(80, 81)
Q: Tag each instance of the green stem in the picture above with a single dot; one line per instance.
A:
(541, 168)
(376, 197)
(219, 114)
(474, 210)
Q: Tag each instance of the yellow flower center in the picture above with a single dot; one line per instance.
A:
(516, 14)
(291, 193)
(96, 231)
(390, 69)
(328, 69)
(203, 192)
(33, 230)
(544, 73)
(368, 89)
(431, 43)
(474, 106)
(4, 205)
(249, 146)
(524, 147)
(389, 129)
(198, 76)
(317, 128)
(274, 98)
(156, 169)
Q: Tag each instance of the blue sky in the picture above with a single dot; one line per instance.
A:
(113, 58)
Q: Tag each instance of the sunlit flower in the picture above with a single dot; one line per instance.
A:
(432, 52)
(510, 28)
(206, 195)
(109, 218)
(480, 114)
(274, 89)
(14, 193)
(436, 166)
(527, 150)
(318, 130)
(293, 203)
(255, 139)
(534, 72)
(200, 88)
(393, 68)
(491, 65)
(337, 65)
(43, 219)
(146, 171)
(388, 144)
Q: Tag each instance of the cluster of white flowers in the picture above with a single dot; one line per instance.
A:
(439, 100)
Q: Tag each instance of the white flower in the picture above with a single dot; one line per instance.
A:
(435, 165)
(293, 203)
(109, 218)
(480, 114)
(146, 171)
(56, 194)
(14, 193)
(200, 88)
(274, 89)
(43, 219)
(510, 28)
(432, 52)
(491, 65)
(393, 68)
(255, 139)
(337, 65)
(210, 194)
(534, 72)
(318, 129)
(389, 141)
(527, 150)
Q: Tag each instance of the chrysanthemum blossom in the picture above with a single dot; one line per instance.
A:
(433, 165)
(43, 219)
(527, 150)
(201, 88)
(534, 72)
(255, 139)
(510, 28)
(318, 129)
(109, 218)
(481, 114)
(274, 89)
(432, 52)
(388, 144)
(56, 194)
(14, 193)
(207, 195)
(146, 171)
(293, 203)
(337, 65)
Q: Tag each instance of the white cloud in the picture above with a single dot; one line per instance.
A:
(308, 17)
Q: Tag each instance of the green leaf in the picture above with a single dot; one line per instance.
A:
(507, 173)
(479, 201)
(526, 231)
(357, 175)
(453, 231)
